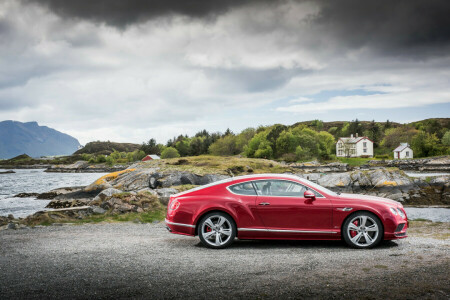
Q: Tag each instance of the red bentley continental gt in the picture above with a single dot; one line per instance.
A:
(281, 206)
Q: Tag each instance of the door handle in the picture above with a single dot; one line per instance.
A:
(264, 203)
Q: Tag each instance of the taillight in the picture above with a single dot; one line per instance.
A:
(174, 205)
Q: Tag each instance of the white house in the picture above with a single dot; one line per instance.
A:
(354, 147)
(403, 151)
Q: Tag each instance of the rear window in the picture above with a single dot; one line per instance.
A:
(245, 188)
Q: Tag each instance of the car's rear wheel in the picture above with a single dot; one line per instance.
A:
(217, 230)
(362, 230)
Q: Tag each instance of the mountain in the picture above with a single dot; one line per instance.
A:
(18, 138)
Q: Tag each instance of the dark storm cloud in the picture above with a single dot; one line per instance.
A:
(125, 12)
(414, 26)
(410, 25)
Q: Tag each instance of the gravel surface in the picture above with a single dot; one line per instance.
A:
(127, 260)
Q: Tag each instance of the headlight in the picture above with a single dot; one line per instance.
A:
(402, 214)
(394, 211)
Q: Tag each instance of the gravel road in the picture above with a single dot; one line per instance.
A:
(127, 260)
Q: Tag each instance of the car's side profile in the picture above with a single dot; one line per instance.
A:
(282, 206)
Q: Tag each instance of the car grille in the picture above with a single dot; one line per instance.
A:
(400, 227)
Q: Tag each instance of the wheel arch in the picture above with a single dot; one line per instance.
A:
(212, 210)
(363, 210)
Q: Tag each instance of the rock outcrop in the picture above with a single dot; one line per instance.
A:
(388, 183)
(431, 164)
(84, 167)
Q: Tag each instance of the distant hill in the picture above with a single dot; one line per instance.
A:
(18, 138)
(107, 148)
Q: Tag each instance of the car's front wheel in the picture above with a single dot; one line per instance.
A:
(217, 230)
(362, 230)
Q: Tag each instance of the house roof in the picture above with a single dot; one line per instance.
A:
(353, 140)
(402, 147)
(154, 156)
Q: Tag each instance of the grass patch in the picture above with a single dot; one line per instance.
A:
(208, 164)
(421, 220)
(380, 266)
(144, 217)
(355, 161)
(184, 187)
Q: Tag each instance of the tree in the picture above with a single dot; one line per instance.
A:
(395, 136)
(150, 147)
(259, 142)
(170, 152)
(243, 138)
(287, 143)
(446, 138)
(224, 146)
(183, 147)
(355, 127)
(425, 144)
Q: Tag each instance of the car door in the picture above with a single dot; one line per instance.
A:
(282, 206)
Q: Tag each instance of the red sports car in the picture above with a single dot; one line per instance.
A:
(281, 206)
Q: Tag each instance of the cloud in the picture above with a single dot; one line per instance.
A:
(374, 101)
(121, 13)
(130, 70)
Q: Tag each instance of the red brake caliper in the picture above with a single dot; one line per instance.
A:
(353, 232)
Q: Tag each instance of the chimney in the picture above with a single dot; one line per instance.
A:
(351, 135)
(356, 134)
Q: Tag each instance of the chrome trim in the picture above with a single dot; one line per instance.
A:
(344, 208)
(179, 224)
(285, 230)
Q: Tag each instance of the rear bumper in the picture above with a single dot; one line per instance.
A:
(180, 228)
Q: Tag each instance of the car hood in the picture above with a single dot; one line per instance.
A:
(357, 197)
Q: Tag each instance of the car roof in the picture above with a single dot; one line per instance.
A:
(238, 178)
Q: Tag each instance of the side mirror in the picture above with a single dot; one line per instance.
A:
(309, 195)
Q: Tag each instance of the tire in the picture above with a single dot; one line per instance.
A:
(217, 230)
(362, 230)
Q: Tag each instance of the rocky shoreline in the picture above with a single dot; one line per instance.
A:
(144, 187)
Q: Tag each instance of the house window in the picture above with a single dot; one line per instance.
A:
(341, 145)
(365, 145)
(365, 150)
(407, 154)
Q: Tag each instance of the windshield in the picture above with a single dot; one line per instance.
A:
(318, 187)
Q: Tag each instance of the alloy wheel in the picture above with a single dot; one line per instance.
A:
(216, 230)
(362, 231)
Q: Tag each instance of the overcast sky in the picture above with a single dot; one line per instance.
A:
(127, 71)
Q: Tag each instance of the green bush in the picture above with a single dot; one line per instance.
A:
(100, 159)
(170, 152)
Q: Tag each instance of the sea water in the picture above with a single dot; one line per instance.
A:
(35, 181)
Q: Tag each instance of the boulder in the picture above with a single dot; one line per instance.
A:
(106, 193)
(164, 194)
(97, 210)
(340, 180)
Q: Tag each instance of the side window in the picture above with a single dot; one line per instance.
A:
(281, 188)
(245, 188)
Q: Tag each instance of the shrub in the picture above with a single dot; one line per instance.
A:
(100, 159)
(170, 152)
(110, 160)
